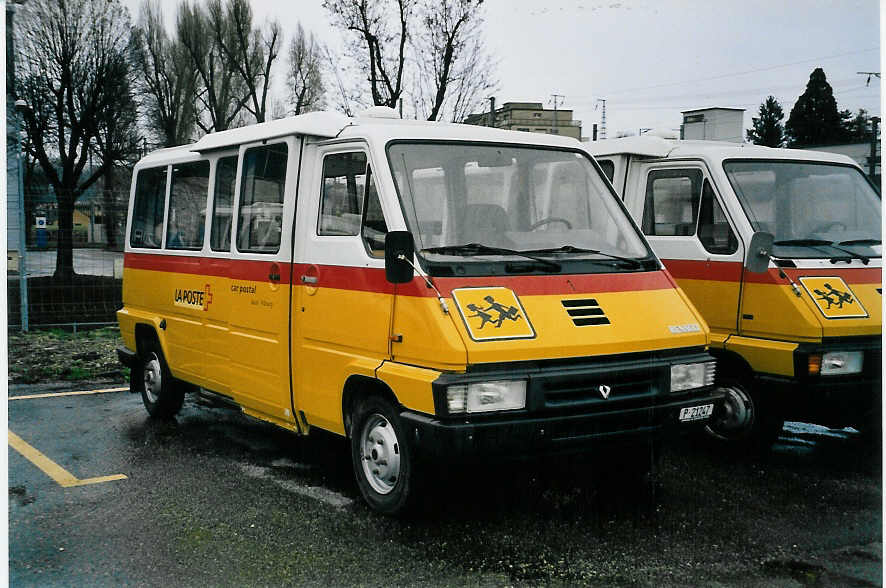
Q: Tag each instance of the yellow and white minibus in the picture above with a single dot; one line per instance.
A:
(800, 338)
(430, 291)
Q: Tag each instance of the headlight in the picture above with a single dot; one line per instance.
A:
(839, 363)
(685, 376)
(486, 396)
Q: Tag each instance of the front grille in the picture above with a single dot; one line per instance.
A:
(606, 390)
(585, 312)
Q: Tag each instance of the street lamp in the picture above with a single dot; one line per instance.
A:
(21, 107)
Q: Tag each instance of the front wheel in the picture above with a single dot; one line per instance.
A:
(162, 394)
(381, 456)
(747, 421)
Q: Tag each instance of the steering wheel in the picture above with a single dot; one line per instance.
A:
(827, 227)
(549, 220)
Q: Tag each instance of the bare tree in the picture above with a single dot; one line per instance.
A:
(305, 76)
(379, 34)
(432, 47)
(72, 55)
(455, 73)
(117, 144)
(250, 52)
(168, 79)
(221, 94)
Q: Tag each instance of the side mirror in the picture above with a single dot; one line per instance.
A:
(756, 258)
(399, 251)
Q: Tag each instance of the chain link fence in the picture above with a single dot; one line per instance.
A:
(93, 294)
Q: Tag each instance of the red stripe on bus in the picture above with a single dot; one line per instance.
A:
(373, 279)
(731, 271)
(719, 271)
(853, 275)
(237, 269)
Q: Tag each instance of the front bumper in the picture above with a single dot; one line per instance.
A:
(564, 411)
(833, 401)
(126, 356)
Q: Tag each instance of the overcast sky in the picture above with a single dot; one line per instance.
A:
(650, 59)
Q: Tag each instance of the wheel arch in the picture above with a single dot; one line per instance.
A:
(732, 365)
(357, 387)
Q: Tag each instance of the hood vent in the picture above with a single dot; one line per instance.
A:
(585, 312)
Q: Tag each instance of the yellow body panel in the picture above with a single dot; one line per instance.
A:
(235, 343)
(765, 355)
(778, 313)
(338, 333)
(644, 320)
(412, 385)
(717, 301)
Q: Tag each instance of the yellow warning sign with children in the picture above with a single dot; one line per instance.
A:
(492, 314)
(833, 297)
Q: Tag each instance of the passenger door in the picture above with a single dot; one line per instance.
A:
(258, 272)
(683, 218)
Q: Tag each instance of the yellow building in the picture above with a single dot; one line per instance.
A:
(530, 117)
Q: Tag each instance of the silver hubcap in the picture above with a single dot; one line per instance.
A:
(153, 378)
(738, 414)
(380, 454)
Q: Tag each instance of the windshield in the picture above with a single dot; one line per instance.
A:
(812, 209)
(552, 203)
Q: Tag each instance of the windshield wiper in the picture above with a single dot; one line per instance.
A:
(573, 249)
(861, 242)
(480, 249)
(819, 244)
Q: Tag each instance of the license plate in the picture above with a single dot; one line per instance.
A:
(696, 413)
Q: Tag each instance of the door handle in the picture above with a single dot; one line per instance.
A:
(309, 279)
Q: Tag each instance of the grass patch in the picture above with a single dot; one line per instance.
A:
(59, 355)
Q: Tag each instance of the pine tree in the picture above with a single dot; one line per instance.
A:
(768, 129)
(815, 119)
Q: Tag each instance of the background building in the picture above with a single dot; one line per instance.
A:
(531, 117)
(713, 124)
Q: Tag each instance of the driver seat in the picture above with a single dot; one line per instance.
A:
(485, 223)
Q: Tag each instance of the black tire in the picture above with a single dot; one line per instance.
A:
(383, 461)
(161, 394)
(749, 422)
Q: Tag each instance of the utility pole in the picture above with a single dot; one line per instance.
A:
(875, 74)
(602, 118)
(491, 111)
(873, 159)
(555, 98)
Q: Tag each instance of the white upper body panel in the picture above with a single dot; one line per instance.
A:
(712, 151)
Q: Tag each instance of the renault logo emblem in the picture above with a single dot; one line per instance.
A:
(604, 391)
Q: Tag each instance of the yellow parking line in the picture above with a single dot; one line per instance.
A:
(63, 477)
(78, 393)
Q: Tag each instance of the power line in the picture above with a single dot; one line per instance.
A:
(746, 72)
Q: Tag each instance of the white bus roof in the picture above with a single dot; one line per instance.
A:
(328, 125)
(659, 148)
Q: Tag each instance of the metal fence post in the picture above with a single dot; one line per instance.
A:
(23, 230)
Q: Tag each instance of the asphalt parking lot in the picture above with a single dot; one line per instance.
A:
(99, 494)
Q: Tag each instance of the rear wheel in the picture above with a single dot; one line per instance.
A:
(747, 422)
(162, 394)
(381, 456)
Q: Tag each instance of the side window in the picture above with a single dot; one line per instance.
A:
(260, 221)
(341, 200)
(187, 205)
(608, 168)
(223, 203)
(672, 198)
(714, 231)
(374, 226)
(147, 211)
